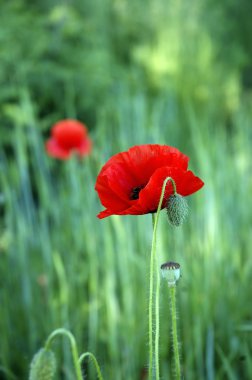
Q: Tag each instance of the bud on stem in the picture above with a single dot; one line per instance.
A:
(177, 209)
(43, 365)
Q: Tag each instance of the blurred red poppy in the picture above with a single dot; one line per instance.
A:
(67, 137)
(131, 182)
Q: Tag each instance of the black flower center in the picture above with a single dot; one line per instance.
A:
(134, 194)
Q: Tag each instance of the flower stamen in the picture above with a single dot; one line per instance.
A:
(134, 194)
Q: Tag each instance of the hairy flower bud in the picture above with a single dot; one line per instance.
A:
(171, 272)
(43, 365)
(177, 209)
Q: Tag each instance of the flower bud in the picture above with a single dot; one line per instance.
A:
(177, 209)
(171, 272)
(43, 365)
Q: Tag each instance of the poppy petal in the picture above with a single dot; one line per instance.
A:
(105, 214)
(142, 160)
(145, 159)
(121, 181)
(126, 211)
(85, 147)
(69, 133)
(55, 150)
(108, 197)
(186, 184)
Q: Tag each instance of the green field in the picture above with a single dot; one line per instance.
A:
(155, 71)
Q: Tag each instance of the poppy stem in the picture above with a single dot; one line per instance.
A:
(172, 290)
(154, 359)
(75, 355)
(157, 336)
(97, 367)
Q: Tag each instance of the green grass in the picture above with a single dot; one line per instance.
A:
(138, 82)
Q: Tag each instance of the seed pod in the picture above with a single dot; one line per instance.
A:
(177, 209)
(171, 272)
(43, 365)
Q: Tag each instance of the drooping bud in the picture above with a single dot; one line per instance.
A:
(177, 209)
(171, 272)
(43, 365)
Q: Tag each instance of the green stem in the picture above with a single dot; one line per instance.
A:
(157, 325)
(152, 268)
(97, 367)
(75, 355)
(150, 307)
(175, 332)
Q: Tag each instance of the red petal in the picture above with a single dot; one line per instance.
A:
(108, 197)
(105, 214)
(142, 160)
(186, 183)
(121, 181)
(85, 148)
(69, 133)
(153, 156)
(54, 150)
(126, 211)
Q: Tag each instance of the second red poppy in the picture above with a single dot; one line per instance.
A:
(68, 136)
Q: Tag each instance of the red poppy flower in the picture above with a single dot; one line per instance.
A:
(131, 182)
(67, 137)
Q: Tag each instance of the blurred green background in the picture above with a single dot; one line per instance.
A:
(169, 72)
